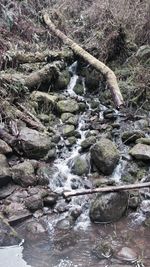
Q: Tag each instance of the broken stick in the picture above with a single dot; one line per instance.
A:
(105, 189)
(98, 65)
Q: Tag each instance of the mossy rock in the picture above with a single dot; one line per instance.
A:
(78, 89)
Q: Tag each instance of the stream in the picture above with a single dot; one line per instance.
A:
(75, 243)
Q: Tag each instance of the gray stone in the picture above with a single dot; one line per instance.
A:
(5, 175)
(108, 207)
(35, 228)
(34, 144)
(132, 136)
(127, 254)
(88, 142)
(50, 200)
(34, 203)
(145, 141)
(69, 118)
(8, 236)
(44, 174)
(68, 130)
(4, 148)
(78, 89)
(68, 105)
(44, 98)
(23, 174)
(80, 165)
(140, 151)
(105, 156)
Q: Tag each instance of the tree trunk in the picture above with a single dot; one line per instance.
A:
(98, 65)
(46, 56)
(105, 189)
(46, 74)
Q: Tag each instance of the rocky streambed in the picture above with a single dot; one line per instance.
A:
(87, 144)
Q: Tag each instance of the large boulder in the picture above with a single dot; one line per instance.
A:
(34, 144)
(108, 207)
(105, 156)
(140, 151)
(5, 175)
(8, 235)
(23, 174)
(68, 105)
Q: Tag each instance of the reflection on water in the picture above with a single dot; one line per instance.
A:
(12, 257)
(74, 247)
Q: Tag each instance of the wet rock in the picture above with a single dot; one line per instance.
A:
(44, 174)
(82, 106)
(78, 89)
(94, 104)
(134, 200)
(108, 207)
(126, 254)
(141, 152)
(8, 236)
(105, 155)
(68, 130)
(76, 183)
(132, 136)
(88, 142)
(80, 165)
(4, 148)
(61, 206)
(75, 212)
(34, 203)
(34, 144)
(69, 118)
(35, 228)
(65, 223)
(50, 200)
(145, 206)
(69, 105)
(145, 141)
(5, 175)
(52, 154)
(23, 174)
(109, 114)
(70, 141)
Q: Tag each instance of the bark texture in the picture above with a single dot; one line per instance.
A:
(105, 189)
(46, 74)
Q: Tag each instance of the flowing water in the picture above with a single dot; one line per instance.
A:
(74, 245)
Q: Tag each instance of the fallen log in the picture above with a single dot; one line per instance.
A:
(10, 110)
(46, 74)
(105, 189)
(98, 65)
(15, 58)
